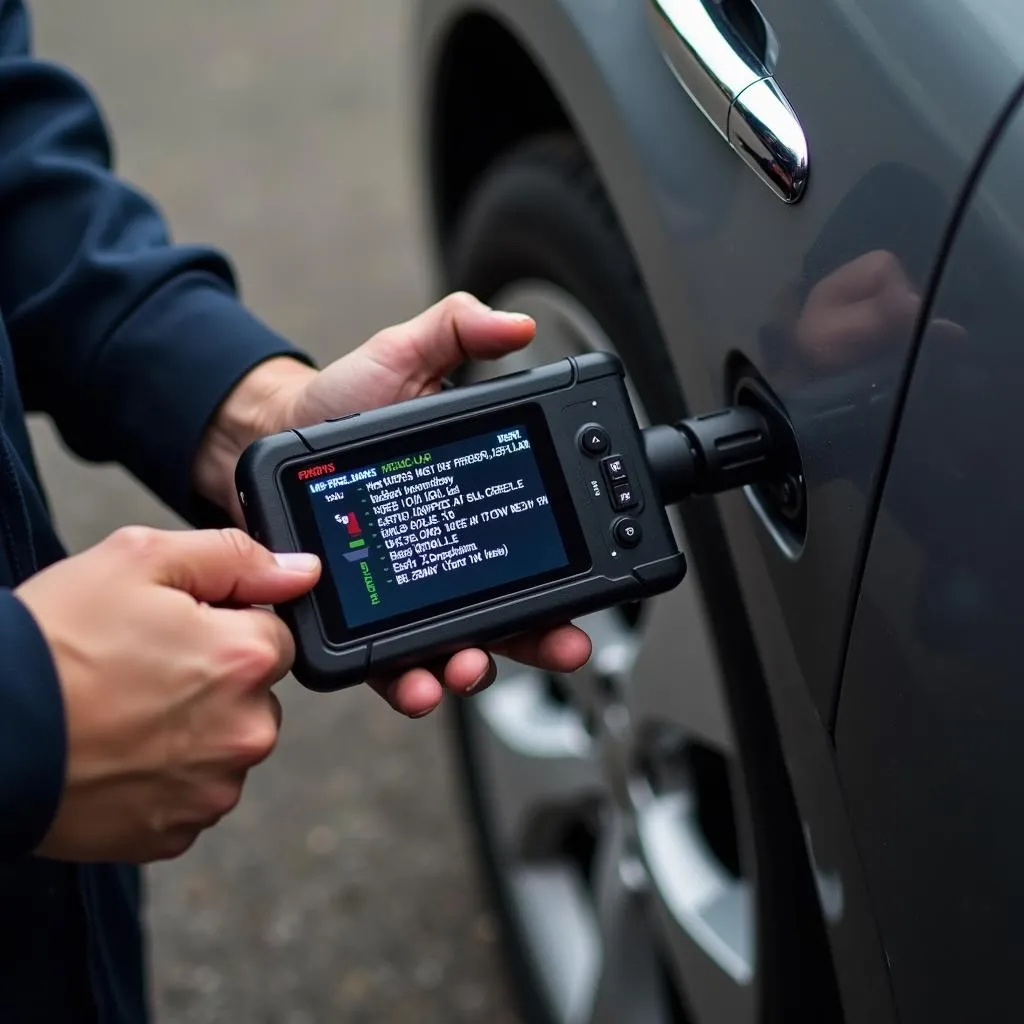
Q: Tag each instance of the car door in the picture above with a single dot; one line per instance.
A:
(931, 716)
(817, 295)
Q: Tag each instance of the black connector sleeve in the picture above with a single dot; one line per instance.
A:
(673, 463)
(710, 454)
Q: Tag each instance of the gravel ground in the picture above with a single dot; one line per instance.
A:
(342, 889)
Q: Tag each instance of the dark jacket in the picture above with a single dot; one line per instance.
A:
(129, 343)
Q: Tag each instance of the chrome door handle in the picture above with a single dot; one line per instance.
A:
(734, 90)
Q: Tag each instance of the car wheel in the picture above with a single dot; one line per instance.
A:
(612, 807)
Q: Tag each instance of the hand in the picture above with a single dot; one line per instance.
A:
(167, 699)
(402, 362)
(406, 361)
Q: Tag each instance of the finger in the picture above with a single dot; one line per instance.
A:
(174, 843)
(565, 649)
(470, 671)
(264, 731)
(459, 327)
(252, 645)
(218, 566)
(276, 710)
(415, 693)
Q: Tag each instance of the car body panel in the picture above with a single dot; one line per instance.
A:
(931, 719)
(897, 101)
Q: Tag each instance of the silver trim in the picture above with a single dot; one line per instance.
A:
(734, 90)
(712, 66)
(765, 132)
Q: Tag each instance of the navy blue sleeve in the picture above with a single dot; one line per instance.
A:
(32, 737)
(128, 341)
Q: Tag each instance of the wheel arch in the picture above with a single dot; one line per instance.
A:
(491, 74)
(487, 96)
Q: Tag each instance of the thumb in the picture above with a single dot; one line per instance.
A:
(223, 566)
(457, 328)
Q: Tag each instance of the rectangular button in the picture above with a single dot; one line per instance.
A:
(623, 497)
(615, 469)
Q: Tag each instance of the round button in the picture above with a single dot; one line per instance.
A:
(594, 440)
(628, 533)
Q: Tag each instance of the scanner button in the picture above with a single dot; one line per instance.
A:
(624, 497)
(615, 469)
(628, 532)
(594, 440)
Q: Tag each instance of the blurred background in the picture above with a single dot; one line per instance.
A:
(342, 889)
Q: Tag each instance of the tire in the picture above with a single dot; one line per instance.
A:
(542, 212)
(539, 224)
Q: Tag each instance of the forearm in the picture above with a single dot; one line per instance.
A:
(259, 405)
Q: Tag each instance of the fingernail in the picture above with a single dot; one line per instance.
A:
(297, 562)
(421, 714)
(480, 680)
(512, 318)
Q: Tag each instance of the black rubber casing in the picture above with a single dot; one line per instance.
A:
(573, 394)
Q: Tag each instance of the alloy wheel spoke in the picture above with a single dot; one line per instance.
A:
(629, 986)
(540, 761)
(703, 914)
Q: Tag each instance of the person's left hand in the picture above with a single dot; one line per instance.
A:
(399, 363)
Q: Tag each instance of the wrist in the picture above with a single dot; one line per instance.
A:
(261, 403)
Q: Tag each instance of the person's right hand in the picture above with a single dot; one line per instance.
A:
(167, 697)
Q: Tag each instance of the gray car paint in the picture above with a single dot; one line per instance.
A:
(896, 101)
(931, 721)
